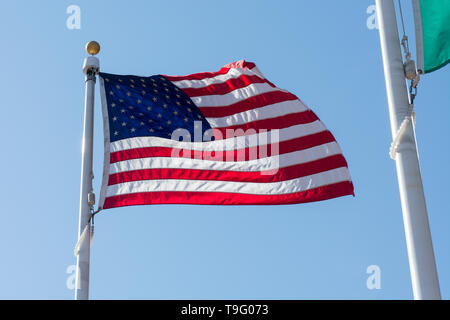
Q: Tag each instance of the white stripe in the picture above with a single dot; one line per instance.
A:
(256, 165)
(234, 96)
(282, 187)
(233, 73)
(285, 134)
(266, 112)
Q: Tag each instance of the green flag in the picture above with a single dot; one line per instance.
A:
(432, 20)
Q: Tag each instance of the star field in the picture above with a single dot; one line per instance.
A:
(148, 106)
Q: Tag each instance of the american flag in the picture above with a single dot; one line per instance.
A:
(226, 138)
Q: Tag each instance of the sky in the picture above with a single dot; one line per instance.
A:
(322, 51)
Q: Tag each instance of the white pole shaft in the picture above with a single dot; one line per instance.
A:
(82, 277)
(415, 218)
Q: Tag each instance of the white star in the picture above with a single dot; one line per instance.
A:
(133, 129)
(115, 119)
(122, 110)
(124, 124)
(155, 99)
(149, 108)
(116, 133)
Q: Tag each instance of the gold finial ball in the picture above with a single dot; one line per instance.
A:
(92, 47)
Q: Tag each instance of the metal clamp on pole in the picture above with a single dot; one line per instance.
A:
(89, 225)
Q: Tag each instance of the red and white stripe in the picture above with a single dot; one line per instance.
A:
(310, 165)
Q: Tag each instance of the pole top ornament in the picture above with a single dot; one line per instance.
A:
(92, 47)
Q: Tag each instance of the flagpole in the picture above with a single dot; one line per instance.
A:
(422, 264)
(90, 69)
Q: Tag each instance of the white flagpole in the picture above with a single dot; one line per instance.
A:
(90, 69)
(415, 218)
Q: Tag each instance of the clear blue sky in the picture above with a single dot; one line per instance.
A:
(320, 50)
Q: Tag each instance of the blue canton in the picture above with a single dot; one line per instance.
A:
(148, 106)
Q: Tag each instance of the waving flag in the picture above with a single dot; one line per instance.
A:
(229, 138)
(432, 20)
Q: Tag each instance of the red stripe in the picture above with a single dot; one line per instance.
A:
(287, 146)
(242, 64)
(198, 76)
(251, 103)
(225, 87)
(281, 122)
(282, 174)
(176, 197)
